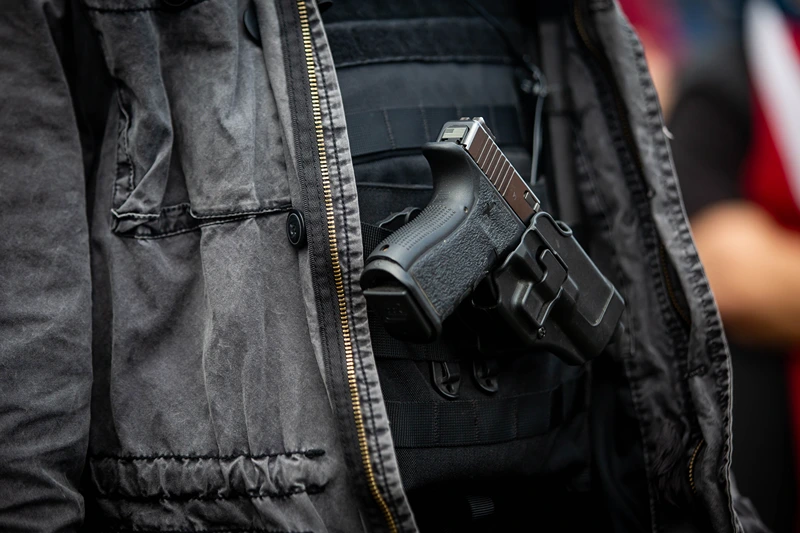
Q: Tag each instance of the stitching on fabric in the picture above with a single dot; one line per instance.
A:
(648, 231)
(636, 395)
(500, 60)
(134, 215)
(123, 135)
(450, 18)
(314, 187)
(714, 347)
(183, 207)
(381, 466)
(474, 405)
(313, 453)
(187, 530)
(250, 495)
(698, 371)
(196, 227)
(652, 113)
(283, 207)
(389, 129)
(156, 235)
(127, 142)
(653, 116)
(516, 418)
(436, 430)
(165, 9)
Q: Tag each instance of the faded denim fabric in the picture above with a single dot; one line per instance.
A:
(169, 362)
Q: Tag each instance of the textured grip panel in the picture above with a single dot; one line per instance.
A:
(435, 215)
(449, 271)
(420, 273)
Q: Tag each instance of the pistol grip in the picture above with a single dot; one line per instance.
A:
(417, 276)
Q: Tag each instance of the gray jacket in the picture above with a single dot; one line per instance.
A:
(169, 362)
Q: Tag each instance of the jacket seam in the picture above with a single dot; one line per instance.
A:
(494, 60)
(675, 213)
(123, 127)
(356, 345)
(187, 530)
(221, 214)
(312, 453)
(156, 235)
(250, 495)
(648, 233)
(195, 227)
(124, 136)
(140, 9)
(675, 216)
(714, 343)
(636, 395)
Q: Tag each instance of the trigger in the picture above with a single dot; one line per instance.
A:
(394, 221)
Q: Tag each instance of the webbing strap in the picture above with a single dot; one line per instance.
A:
(384, 346)
(410, 127)
(476, 422)
(433, 38)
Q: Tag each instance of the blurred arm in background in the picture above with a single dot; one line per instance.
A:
(752, 262)
(753, 265)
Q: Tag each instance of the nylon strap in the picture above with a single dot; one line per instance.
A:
(438, 424)
(410, 127)
(404, 40)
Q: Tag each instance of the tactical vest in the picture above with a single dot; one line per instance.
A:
(481, 441)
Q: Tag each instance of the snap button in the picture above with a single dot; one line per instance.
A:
(296, 229)
(251, 23)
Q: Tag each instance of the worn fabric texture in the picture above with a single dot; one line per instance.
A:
(170, 362)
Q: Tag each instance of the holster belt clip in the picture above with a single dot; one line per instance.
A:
(548, 293)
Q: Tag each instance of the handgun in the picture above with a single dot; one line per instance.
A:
(483, 219)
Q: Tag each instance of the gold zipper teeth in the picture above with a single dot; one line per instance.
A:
(350, 366)
(691, 465)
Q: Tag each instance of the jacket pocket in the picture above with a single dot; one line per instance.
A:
(198, 135)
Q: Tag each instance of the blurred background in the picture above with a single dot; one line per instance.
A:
(728, 76)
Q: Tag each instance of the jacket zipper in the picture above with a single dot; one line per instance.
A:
(344, 321)
(627, 133)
